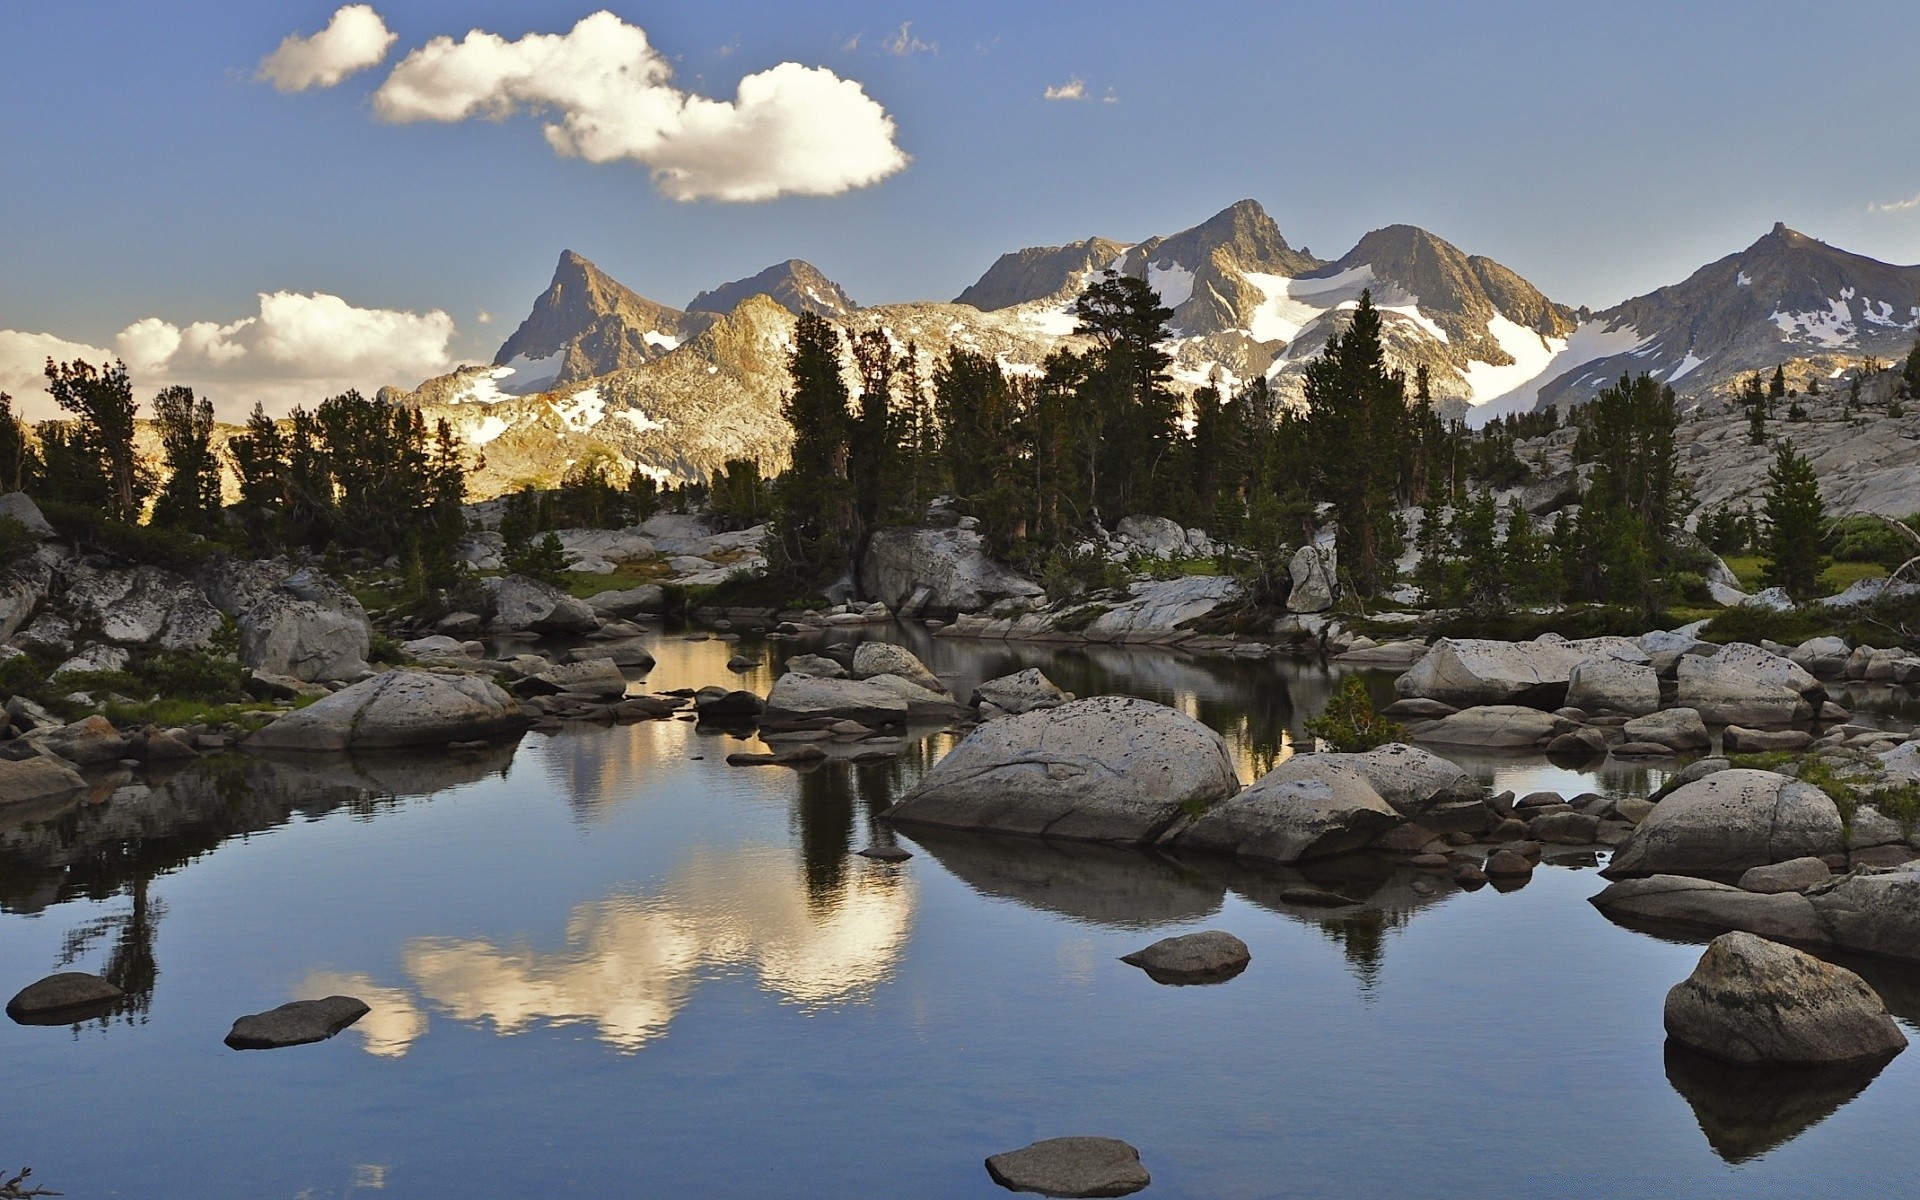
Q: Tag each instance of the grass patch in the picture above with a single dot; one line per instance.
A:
(1838, 577)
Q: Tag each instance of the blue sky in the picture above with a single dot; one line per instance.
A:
(1600, 150)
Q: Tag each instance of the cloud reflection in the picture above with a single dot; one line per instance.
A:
(394, 1021)
(631, 962)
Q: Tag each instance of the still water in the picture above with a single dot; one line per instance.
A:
(603, 963)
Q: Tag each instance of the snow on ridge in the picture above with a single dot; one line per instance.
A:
(662, 341)
(637, 418)
(1173, 283)
(1588, 343)
(1685, 368)
(1832, 328)
(521, 375)
(582, 410)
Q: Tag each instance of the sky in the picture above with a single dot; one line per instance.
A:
(274, 200)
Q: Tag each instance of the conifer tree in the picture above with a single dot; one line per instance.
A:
(1483, 568)
(814, 525)
(101, 401)
(1910, 372)
(260, 460)
(1796, 521)
(190, 499)
(1357, 411)
(18, 462)
(1754, 400)
(1778, 387)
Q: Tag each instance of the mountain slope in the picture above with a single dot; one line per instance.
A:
(586, 324)
(794, 285)
(1041, 274)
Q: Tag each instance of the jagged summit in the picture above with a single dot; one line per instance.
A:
(797, 286)
(585, 324)
(1040, 273)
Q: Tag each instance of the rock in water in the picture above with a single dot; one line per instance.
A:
(1071, 1166)
(36, 779)
(1211, 956)
(296, 1024)
(1754, 1002)
(397, 708)
(1108, 768)
(60, 999)
(1730, 821)
(1301, 810)
(884, 658)
(1020, 692)
(1745, 685)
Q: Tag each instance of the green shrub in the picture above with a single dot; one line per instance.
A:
(209, 678)
(22, 675)
(1350, 725)
(16, 541)
(1755, 625)
(146, 544)
(384, 647)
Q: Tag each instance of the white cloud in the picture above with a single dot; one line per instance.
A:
(1072, 89)
(297, 349)
(354, 40)
(790, 130)
(903, 43)
(1895, 206)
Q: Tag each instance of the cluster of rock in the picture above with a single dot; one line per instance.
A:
(694, 551)
(73, 997)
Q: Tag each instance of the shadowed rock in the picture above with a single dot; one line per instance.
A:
(1071, 1166)
(296, 1024)
(62, 999)
(1753, 1002)
(1211, 956)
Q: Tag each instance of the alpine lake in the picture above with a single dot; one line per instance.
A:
(603, 963)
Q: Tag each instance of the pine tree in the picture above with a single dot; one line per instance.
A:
(190, 499)
(1483, 568)
(18, 462)
(260, 460)
(1433, 573)
(101, 400)
(1753, 398)
(1778, 387)
(814, 527)
(1357, 411)
(1796, 522)
(1131, 420)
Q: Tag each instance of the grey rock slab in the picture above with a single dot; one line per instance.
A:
(802, 697)
(1303, 809)
(1494, 727)
(1742, 684)
(296, 1024)
(1410, 779)
(1753, 1002)
(1794, 875)
(394, 709)
(885, 658)
(1210, 956)
(1674, 728)
(1071, 1166)
(1020, 692)
(1680, 900)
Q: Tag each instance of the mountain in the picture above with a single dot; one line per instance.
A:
(584, 325)
(794, 285)
(1040, 274)
(1787, 297)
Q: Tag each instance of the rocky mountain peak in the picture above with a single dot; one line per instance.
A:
(1241, 235)
(1041, 273)
(594, 323)
(797, 286)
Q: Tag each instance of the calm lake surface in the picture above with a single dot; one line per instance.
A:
(604, 963)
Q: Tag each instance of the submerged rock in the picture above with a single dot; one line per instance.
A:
(296, 1024)
(1754, 1002)
(1210, 956)
(38, 778)
(1494, 727)
(1071, 1166)
(1108, 768)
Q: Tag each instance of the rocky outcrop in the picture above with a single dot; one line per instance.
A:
(940, 570)
(1108, 768)
(1728, 822)
(630, 602)
(396, 708)
(885, 658)
(797, 697)
(1611, 686)
(1314, 579)
(1742, 684)
(144, 606)
(1753, 1002)
(1464, 672)
(1493, 727)
(519, 603)
(293, 622)
(18, 506)
(1679, 729)
(1020, 692)
(1304, 809)
(1154, 608)
(1410, 779)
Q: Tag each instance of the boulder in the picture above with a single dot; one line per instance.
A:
(1753, 1002)
(885, 658)
(1666, 647)
(296, 1024)
(1108, 768)
(1020, 692)
(1693, 772)
(397, 708)
(1586, 741)
(140, 606)
(1728, 822)
(18, 506)
(88, 742)
(817, 665)
(1794, 875)
(1465, 671)
(1874, 913)
(1675, 728)
(727, 704)
(805, 697)
(1304, 809)
(951, 564)
(461, 625)
(1822, 657)
(1745, 685)
(94, 659)
(1158, 536)
(1410, 779)
(1494, 727)
(60, 998)
(1071, 1166)
(1402, 654)
(1314, 578)
(439, 650)
(1210, 956)
(622, 652)
(306, 640)
(1609, 685)
(595, 677)
(920, 701)
(517, 602)
(1737, 740)
(23, 585)
(39, 778)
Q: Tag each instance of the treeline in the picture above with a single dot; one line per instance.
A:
(353, 474)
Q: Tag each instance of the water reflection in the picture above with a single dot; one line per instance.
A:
(631, 962)
(394, 1020)
(1745, 1112)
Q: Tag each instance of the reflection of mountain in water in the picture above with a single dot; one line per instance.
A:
(96, 850)
(1746, 1112)
(631, 962)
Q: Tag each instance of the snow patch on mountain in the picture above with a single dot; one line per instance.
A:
(1589, 342)
(1174, 283)
(582, 410)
